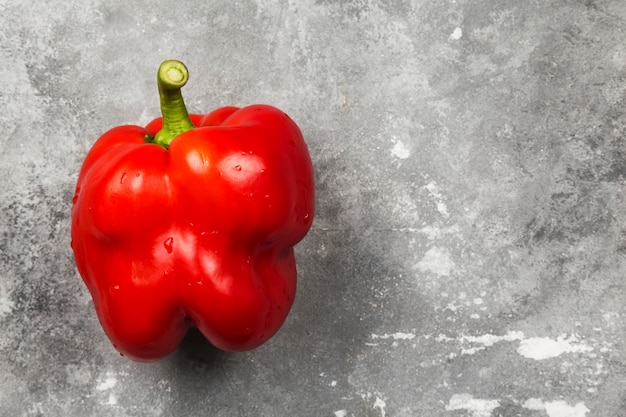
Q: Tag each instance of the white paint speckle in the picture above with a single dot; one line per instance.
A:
(488, 340)
(380, 404)
(537, 348)
(535, 404)
(107, 384)
(452, 307)
(6, 305)
(476, 407)
(540, 348)
(556, 408)
(434, 191)
(443, 338)
(438, 261)
(442, 208)
(341, 413)
(472, 350)
(400, 150)
(112, 400)
(395, 336)
(456, 34)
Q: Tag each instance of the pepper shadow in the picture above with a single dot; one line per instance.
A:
(196, 372)
(197, 351)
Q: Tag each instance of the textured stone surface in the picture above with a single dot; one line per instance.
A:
(468, 254)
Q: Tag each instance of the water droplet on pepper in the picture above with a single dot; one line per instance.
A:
(169, 244)
(114, 289)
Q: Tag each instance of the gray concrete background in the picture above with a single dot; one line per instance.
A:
(468, 254)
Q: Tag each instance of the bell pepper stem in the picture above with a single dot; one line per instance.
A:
(171, 77)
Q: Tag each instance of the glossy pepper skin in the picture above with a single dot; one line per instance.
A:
(191, 221)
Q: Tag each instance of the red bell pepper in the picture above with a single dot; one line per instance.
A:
(191, 221)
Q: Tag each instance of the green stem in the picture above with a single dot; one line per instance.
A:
(172, 76)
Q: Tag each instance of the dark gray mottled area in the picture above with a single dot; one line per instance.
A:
(468, 256)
